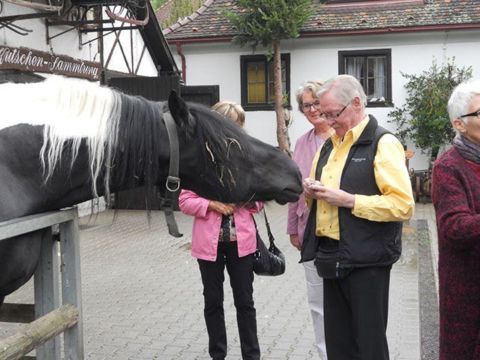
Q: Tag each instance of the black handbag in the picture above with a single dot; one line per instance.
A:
(271, 261)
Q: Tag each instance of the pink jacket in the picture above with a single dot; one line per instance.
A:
(305, 149)
(206, 226)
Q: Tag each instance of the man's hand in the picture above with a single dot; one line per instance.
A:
(307, 183)
(335, 197)
(222, 208)
(295, 240)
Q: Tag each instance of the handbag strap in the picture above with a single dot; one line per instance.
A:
(267, 224)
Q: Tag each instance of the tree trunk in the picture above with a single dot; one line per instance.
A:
(282, 136)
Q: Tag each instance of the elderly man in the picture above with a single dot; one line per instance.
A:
(359, 191)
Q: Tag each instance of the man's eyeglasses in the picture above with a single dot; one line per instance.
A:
(308, 106)
(330, 116)
(475, 113)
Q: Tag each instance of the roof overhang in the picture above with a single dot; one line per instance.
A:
(157, 44)
(327, 33)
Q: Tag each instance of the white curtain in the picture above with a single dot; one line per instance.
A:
(353, 66)
(379, 90)
(373, 70)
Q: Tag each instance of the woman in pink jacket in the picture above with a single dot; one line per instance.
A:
(225, 235)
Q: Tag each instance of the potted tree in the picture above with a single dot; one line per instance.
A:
(423, 119)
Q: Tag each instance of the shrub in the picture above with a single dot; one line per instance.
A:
(424, 117)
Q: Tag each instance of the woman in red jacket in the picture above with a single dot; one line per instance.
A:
(225, 235)
(456, 197)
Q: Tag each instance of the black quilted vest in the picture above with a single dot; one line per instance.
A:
(362, 242)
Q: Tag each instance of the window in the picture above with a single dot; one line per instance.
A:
(257, 81)
(373, 69)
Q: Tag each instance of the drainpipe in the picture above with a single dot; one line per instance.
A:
(184, 63)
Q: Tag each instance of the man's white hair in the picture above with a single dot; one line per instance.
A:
(344, 88)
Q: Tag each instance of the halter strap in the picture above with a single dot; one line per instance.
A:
(172, 183)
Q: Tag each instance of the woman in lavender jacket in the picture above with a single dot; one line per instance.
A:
(305, 149)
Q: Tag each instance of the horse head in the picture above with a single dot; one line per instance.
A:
(219, 161)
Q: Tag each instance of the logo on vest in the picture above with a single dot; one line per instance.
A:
(357, 160)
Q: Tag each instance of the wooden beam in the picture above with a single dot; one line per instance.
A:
(41, 330)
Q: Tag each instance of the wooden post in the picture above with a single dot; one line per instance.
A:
(71, 285)
(37, 332)
(47, 298)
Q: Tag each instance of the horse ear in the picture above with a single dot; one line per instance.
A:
(178, 109)
(181, 114)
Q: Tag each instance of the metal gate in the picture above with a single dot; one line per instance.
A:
(153, 88)
(207, 95)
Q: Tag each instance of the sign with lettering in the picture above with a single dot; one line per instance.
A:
(29, 60)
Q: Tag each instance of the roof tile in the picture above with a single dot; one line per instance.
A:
(207, 22)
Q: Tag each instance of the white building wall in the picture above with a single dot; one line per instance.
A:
(317, 58)
(69, 43)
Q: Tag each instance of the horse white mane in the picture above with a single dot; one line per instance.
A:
(70, 110)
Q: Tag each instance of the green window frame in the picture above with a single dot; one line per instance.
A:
(373, 68)
(257, 81)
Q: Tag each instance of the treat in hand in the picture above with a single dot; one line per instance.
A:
(312, 184)
(316, 185)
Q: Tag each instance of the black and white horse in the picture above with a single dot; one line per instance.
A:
(64, 141)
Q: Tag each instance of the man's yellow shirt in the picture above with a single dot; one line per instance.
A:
(396, 202)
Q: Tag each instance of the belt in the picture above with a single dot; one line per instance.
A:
(327, 243)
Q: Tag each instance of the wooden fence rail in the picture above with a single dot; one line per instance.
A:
(38, 332)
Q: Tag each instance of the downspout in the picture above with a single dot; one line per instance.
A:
(184, 63)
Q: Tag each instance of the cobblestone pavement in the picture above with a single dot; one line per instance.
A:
(142, 295)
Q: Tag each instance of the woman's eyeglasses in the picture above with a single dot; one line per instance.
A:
(308, 106)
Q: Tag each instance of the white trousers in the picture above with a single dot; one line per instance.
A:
(315, 304)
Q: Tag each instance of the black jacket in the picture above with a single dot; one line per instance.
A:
(362, 242)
